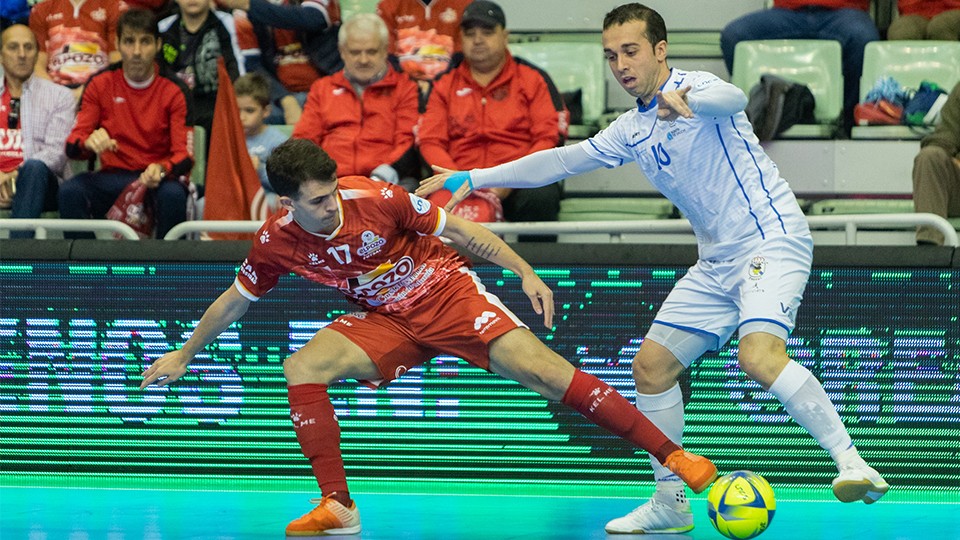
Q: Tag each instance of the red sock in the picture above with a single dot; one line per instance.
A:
(604, 406)
(318, 433)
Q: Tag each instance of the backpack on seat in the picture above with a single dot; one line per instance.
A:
(776, 104)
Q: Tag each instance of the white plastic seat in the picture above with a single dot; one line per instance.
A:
(571, 66)
(813, 62)
(909, 63)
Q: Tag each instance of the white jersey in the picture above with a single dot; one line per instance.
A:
(711, 167)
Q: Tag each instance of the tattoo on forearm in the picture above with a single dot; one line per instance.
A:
(484, 250)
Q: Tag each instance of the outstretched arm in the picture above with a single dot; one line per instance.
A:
(533, 170)
(223, 312)
(481, 242)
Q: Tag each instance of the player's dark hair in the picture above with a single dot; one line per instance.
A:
(254, 85)
(138, 20)
(656, 28)
(296, 162)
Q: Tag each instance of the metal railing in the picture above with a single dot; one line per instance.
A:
(851, 224)
(41, 227)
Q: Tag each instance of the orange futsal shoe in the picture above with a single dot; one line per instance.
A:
(329, 517)
(696, 471)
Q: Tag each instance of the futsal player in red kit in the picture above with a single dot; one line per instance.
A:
(379, 246)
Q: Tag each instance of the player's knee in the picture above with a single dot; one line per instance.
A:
(299, 369)
(650, 376)
(759, 359)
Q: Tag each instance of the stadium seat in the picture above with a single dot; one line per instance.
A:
(572, 66)
(909, 63)
(861, 206)
(815, 63)
(349, 8)
(614, 209)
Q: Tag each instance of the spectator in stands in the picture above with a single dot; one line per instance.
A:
(491, 109)
(253, 101)
(77, 39)
(364, 115)
(134, 117)
(192, 42)
(424, 35)
(692, 140)
(936, 170)
(846, 21)
(298, 45)
(35, 117)
(926, 19)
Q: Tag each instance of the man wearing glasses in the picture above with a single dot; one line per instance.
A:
(35, 118)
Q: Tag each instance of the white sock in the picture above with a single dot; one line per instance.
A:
(665, 410)
(806, 401)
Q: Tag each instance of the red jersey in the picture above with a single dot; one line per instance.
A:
(926, 8)
(832, 4)
(423, 37)
(77, 41)
(294, 69)
(384, 256)
(470, 126)
(148, 123)
(11, 142)
(360, 133)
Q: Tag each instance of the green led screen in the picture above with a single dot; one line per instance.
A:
(75, 336)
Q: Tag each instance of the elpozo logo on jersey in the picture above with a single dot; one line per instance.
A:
(371, 244)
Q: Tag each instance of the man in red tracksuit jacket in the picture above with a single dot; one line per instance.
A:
(363, 115)
(490, 109)
(135, 120)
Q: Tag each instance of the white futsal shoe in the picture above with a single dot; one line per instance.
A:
(667, 512)
(858, 481)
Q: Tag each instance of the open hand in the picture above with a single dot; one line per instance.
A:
(672, 105)
(166, 369)
(541, 297)
(438, 182)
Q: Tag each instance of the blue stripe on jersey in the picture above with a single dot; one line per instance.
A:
(692, 330)
(652, 127)
(602, 153)
(739, 183)
(763, 186)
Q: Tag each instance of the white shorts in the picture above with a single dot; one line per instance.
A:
(759, 291)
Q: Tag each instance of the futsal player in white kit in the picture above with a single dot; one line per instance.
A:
(690, 136)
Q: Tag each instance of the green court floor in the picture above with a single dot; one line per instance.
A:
(68, 513)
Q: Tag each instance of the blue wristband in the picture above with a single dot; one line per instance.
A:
(456, 180)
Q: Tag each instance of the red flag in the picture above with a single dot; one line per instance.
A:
(233, 190)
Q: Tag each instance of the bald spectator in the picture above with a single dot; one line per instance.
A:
(363, 115)
(77, 39)
(134, 118)
(35, 117)
(491, 109)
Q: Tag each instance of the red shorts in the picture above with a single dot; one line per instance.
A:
(460, 319)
